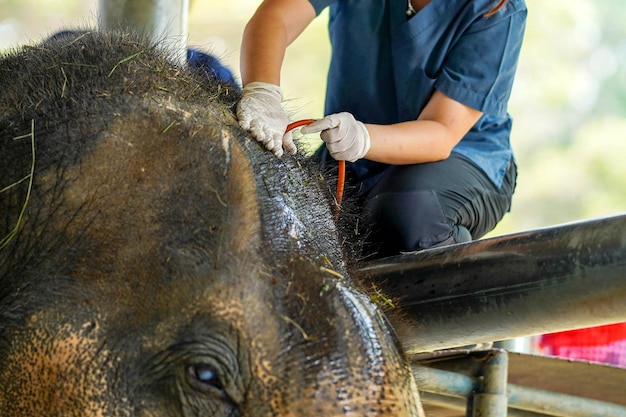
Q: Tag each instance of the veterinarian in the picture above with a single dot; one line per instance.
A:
(416, 102)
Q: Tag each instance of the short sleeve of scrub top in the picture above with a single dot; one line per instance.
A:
(385, 67)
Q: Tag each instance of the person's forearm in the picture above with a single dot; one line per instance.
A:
(441, 125)
(411, 142)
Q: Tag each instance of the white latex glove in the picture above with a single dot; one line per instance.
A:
(260, 112)
(346, 138)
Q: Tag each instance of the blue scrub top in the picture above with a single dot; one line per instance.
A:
(384, 67)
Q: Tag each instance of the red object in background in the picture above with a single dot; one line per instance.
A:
(604, 344)
(592, 336)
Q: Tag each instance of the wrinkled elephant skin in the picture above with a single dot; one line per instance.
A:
(156, 261)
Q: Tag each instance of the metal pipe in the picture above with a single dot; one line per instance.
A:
(460, 404)
(164, 21)
(541, 281)
(530, 400)
(490, 398)
(443, 382)
(560, 405)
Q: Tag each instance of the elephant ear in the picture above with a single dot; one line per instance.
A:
(540, 281)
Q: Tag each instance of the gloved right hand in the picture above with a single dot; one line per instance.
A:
(346, 138)
(260, 112)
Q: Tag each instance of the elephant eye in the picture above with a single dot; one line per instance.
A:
(204, 377)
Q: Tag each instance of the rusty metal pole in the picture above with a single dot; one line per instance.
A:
(455, 390)
(490, 399)
(164, 21)
(542, 281)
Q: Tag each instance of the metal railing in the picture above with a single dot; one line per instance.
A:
(542, 281)
(487, 393)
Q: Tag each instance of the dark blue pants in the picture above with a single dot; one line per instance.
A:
(412, 207)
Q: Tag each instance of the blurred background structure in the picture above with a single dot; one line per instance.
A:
(568, 103)
(569, 100)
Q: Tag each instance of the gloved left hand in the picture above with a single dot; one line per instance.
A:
(346, 138)
(261, 113)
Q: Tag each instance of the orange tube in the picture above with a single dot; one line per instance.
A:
(299, 123)
(341, 168)
(341, 179)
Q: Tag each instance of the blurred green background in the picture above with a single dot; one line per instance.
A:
(569, 100)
